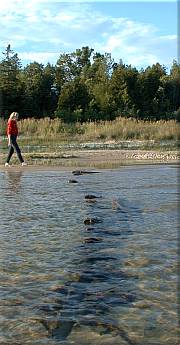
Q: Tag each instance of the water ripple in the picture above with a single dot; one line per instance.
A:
(110, 282)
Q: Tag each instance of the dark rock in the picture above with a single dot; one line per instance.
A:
(77, 172)
(90, 196)
(81, 172)
(92, 240)
(91, 201)
(94, 259)
(57, 328)
(89, 221)
(73, 181)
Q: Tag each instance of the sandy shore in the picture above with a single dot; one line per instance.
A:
(75, 159)
(125, 155)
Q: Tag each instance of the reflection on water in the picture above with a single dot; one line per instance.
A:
(112, 281)
(14, 180)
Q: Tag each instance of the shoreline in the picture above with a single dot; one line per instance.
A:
(92, 159)
(43, 168)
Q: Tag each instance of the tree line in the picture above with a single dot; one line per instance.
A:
(88, 86)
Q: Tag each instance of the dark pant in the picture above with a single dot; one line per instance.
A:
(14, 146)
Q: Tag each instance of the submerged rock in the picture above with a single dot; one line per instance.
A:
(92, 240)
(81, 172)
(91, 197)
(90, 201)
(58, 329)
(88, 221)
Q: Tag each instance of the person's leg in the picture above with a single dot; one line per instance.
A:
(16, 147)
(10, 153)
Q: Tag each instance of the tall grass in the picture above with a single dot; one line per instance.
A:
(47, 129)
(131, 129)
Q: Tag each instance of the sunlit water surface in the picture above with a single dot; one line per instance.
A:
(59, 288)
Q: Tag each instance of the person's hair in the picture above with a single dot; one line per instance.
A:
(14, 115)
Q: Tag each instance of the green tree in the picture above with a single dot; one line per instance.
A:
(97, 80)
(49, 90)
(149, 83)
(86, 85)
(10, 86)
(73, 101)
(124, 89)
(64, 71)
(175, 85)
(81, 58)
(40, 97)
(70, 66)
(32, 78)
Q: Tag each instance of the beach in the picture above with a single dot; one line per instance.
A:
(101, 158)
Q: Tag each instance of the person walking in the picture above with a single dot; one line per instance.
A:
(12, 133)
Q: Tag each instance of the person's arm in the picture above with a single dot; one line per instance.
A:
(9, 139)
(9, 130)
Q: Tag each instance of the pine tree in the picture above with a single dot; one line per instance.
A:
(10, 88)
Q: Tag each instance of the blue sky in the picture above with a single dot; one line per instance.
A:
(140, 33)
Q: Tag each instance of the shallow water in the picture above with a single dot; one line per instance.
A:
(57, 288)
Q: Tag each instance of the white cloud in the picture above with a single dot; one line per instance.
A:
(168, 38)
(42, 57)
(38, 29)
(137, 43)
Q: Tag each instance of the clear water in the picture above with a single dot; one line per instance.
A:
(56, 288)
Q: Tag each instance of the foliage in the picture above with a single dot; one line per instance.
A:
(88, 86)
(10, 86)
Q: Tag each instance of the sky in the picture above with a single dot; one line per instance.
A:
(139, 33)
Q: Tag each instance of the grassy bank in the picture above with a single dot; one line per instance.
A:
(94, 144)
(54, 130)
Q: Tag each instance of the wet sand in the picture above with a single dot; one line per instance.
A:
(92, 159)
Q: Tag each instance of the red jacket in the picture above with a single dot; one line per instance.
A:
(12, 127)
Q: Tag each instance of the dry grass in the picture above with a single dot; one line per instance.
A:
(131, 129)
(44, 130)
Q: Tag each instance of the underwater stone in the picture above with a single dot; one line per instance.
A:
(90, 196)
(88, 221)
(92, 240)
